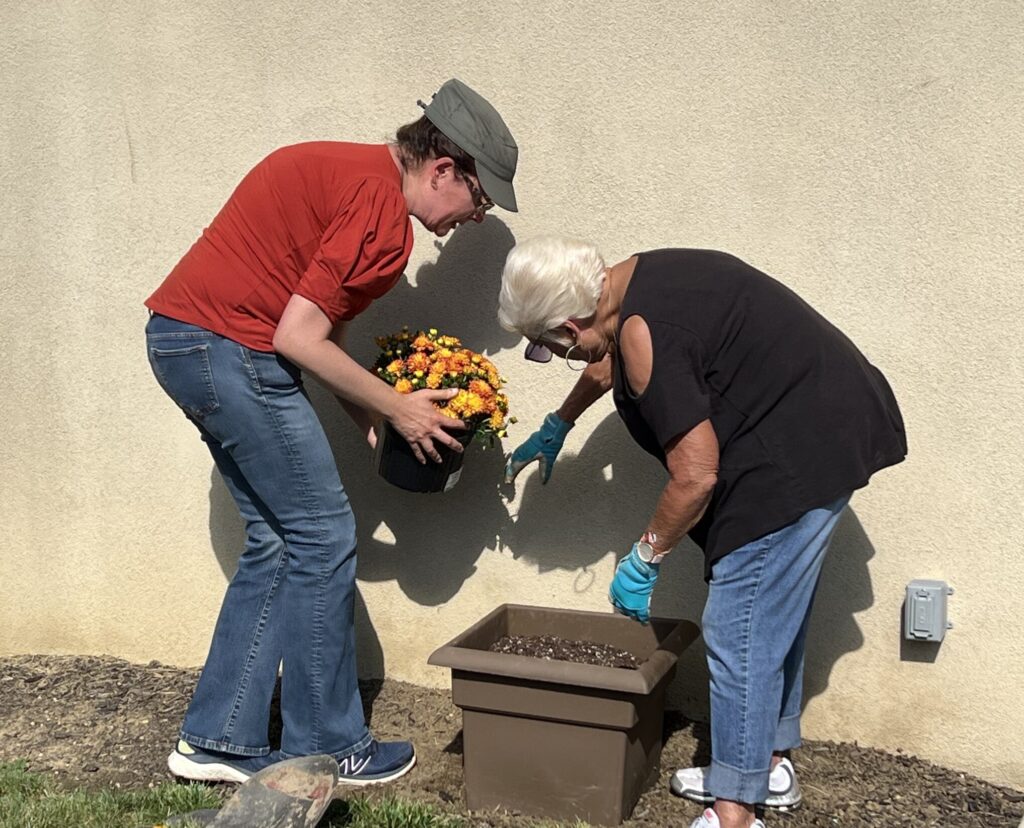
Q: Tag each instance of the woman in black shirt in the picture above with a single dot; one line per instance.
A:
(766, 418)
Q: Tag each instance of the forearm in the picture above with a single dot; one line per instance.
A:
(359, 391)
(593, 384)
(680, 507)
(359, 415)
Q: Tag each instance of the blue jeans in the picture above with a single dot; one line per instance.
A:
(291, 601)
(755, 628)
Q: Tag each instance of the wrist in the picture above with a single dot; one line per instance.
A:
(390, 405)
(558, 424)
(649, 550)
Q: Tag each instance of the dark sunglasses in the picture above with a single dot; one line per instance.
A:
(535, 352)
(538, 351)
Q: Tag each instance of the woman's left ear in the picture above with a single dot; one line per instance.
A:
(443, 166)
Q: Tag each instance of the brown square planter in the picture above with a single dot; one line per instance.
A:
(557, 739)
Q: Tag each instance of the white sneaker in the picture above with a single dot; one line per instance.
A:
(709, 819)
(783, 787)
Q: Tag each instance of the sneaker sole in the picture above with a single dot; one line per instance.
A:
(185, 768)
(784, 808)
(705, 798)
(360, 782)
(692, 794)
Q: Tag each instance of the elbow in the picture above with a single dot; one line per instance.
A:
(284, 344)
(699, 483)
(705, 483)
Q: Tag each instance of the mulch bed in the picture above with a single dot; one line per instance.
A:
(97, 722)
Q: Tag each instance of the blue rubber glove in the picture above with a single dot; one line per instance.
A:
(543, 445)
(630, 592)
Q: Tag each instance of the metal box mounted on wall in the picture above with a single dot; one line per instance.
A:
(925, 616)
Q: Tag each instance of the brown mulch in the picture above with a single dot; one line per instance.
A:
(98, 722)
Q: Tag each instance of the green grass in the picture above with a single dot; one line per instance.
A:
(388, 812)
(28, 800)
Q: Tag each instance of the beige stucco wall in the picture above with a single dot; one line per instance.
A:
(868, 153)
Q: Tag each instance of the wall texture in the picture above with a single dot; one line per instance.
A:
(866, 153)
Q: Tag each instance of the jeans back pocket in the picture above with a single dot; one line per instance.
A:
(185, 374)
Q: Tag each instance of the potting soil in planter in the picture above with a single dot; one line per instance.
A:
(560, 649)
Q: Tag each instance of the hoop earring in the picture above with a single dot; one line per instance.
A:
(586, 360)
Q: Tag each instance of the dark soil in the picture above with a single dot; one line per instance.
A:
(551, 647)
(97, 722)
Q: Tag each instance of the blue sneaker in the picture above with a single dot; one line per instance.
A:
(378, 762)
(200, 765)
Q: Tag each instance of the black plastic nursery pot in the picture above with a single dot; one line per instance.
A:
(556, 739)
(397, 464)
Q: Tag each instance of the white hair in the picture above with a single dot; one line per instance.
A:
(546, 281)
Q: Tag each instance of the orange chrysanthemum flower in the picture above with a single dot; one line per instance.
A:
(427, 359)
(418, 362)
(482, 388)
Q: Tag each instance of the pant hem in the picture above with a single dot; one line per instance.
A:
(727, 782)
(362, 744)
(222, 745)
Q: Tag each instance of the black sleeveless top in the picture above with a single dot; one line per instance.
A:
(801, 416)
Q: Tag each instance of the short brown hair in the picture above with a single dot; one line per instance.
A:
(421, 140)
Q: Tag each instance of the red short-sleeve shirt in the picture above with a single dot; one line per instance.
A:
(326, 220)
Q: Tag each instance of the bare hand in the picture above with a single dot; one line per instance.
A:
(421, 424)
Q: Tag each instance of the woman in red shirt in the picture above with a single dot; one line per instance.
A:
(310, 237)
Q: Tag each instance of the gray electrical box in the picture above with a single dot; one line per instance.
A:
(924, 613)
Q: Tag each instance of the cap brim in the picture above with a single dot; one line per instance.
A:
(498, 190)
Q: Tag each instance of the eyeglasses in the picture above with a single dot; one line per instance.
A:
(535, 352)
(481, 202)
(539, 350)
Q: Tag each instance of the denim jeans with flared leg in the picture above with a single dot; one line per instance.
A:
(291, 601)
(755, 628)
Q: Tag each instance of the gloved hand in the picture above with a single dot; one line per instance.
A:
(543, 445)
(631, 588)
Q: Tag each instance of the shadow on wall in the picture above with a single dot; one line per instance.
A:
(429, 544)
(457, 294)
(583, 520)
(844, 590)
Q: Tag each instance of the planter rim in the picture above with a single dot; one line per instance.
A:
(640, 681)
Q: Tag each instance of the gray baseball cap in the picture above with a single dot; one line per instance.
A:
(476, 128)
